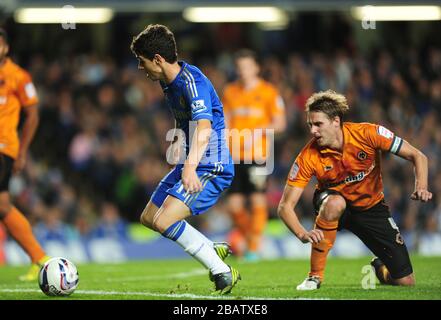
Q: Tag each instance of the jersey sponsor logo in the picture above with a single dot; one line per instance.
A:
(358, 177)
(294, 171)
(382, 131)
(362, 155)
(350, 179)
(198, 106)
(30, 90)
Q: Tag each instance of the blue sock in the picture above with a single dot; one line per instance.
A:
(175, 230)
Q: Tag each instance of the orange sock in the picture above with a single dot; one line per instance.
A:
(20, 229)
(258, 224)
(241, 219)
(319, 251)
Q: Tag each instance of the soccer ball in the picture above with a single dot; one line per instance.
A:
(58, 277)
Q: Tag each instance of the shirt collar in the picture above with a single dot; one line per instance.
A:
(7, 63)
(183, 65)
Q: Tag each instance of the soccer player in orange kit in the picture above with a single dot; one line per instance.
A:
(250, 104)
(17, 92)
(345, 158)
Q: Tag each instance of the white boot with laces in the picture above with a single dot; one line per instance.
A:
(310, 283)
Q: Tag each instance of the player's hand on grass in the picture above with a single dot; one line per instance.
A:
(313, 236)
(190, 180)
(421, 194)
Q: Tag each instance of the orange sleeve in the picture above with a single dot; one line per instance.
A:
(301, 171)
(27, 93)
(382, 138)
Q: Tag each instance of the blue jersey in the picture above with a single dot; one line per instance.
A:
(191, 97)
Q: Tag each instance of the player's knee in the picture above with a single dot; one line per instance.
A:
(145, 219)
(160, 225)
(332, 207)
(236, 203)
(407, 281)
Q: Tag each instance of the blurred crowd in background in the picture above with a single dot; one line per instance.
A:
(100, 147)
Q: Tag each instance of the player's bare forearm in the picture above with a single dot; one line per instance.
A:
(421, 191)
(28, 132)
(29, 127)
(420, 163)
(198, 146)
(421, 171)
(289, 217)
(290, 197)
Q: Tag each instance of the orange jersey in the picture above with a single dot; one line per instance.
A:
(16, 91)
(249, 110)
(356, 172)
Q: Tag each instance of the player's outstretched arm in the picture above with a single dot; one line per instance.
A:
(419, 161)
(290, 198)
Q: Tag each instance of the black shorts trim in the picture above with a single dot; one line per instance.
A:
(320, 196)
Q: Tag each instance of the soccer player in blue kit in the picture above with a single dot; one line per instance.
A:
(194, 186)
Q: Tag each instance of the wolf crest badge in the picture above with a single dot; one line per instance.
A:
(362, 155)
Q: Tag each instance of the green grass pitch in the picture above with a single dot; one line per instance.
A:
(186, 279)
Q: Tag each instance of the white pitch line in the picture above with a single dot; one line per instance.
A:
(180, 275)
(161, 295)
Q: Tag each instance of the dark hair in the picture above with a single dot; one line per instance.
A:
(155, 39)
(329, 102)
(246, 53)
(4, 35)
